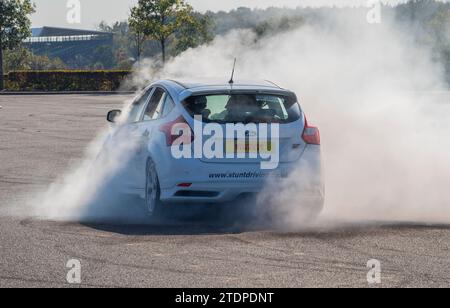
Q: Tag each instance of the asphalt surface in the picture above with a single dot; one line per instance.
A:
(42, 136)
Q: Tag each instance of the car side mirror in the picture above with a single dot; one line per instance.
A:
(113, 115)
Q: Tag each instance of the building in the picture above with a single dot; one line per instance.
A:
(66, 44)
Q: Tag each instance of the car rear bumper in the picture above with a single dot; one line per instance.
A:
(218, 183)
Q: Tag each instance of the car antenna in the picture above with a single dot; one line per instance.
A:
(231, 82)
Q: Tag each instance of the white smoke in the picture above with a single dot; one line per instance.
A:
(89, 191)
(369, 88)
(373, 93)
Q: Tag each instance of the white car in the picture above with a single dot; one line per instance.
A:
(169, 115)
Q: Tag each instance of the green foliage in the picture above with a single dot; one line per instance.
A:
(194, 34)
(137, 27)
(14, 22)
(18, 59)
(125, 65)
(45, 63)
(14, 26)
(430, 22)
(65, 80)
(161, 20)
(22, 58)
(103, 57)
(173, 26)
(245, 18)
(272, 27)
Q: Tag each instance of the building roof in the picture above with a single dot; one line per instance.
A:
(53, 31)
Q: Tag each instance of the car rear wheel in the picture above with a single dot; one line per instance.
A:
(152, 190)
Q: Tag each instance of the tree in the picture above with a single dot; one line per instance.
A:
(21, 58)
(104, 55)
(17, 59)
(194, 33)
(160, 20)
(137, 26)
(14, 26)
(45, 63)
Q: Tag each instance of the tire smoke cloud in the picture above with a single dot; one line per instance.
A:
(89, 191)
(377, 96)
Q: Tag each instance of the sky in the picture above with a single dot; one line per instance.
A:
(54, 12)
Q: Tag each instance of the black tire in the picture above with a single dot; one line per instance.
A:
(152, 191)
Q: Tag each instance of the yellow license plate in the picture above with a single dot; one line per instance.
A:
(235, 147)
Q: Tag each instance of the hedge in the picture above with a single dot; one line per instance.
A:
(64, 80)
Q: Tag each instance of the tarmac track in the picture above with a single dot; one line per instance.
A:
(41, 136)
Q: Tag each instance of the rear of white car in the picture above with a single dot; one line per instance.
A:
(204, 178)
(223, 179)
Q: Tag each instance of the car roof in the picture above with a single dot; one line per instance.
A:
(211, 83)
(185, 89)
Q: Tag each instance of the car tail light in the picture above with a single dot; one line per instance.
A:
(179, 123)
(311, 134)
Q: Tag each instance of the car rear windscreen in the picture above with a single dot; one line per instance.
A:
(244, 108)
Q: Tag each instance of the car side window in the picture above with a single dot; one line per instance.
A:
(151, 112)
(138, 106)
(168, 106)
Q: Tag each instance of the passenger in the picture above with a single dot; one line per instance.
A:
(238, 108)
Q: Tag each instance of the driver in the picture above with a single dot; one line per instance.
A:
(197, 105)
